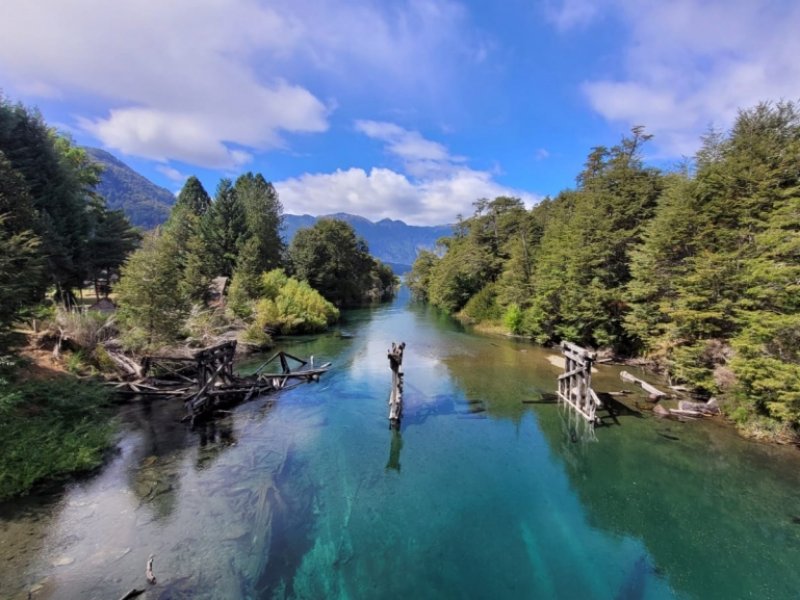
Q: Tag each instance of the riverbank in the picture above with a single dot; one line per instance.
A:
(759, 429)
(51, 428)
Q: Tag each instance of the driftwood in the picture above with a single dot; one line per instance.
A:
(132, 594)
(148, 572)
(692, 414)
(395, 355)
(129, 366)
(655, 393)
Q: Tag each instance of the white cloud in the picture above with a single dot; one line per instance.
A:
(209, 82)
(383, 193)
(172, 173)
(694, 63)
(177, 77)
(435, 187)
(420, 157)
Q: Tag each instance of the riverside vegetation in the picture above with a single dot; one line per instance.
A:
(695, 269)
(57, 234)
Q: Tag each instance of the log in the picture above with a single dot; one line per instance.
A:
(132, 594)
(650, 389)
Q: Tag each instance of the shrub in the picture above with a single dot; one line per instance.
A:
(512, 318)
(292, 306)
(255, 335)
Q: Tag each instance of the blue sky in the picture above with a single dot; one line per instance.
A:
(407, 109)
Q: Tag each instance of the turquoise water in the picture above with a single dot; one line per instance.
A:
(487, 491)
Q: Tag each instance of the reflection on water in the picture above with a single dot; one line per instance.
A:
(489, 490)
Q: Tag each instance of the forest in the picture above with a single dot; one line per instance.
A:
(62, 248)
(693, 269)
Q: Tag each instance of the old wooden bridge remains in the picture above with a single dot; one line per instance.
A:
(207, 380)
(575, 384)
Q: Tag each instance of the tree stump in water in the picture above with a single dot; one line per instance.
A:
(396, 396)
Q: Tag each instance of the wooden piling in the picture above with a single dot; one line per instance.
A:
(395, 355)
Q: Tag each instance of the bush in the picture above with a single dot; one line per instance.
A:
(512, 319)
(255, 335)
(85, 329)
(292, 306)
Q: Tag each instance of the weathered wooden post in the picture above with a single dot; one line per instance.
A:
(396, 396)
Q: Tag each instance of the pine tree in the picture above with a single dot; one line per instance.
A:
(151, 302)
(264, 219)
(223, 229)
(194, 196)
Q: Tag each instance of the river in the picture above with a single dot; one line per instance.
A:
(488, 491)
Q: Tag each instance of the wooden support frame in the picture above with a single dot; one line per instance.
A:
(575, 384)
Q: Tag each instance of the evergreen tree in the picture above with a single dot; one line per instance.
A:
(194, 196)
(223, 229)
(334, 261)
(59, 178)
(150, 299)
(111, 240)
(264, 219)
(22, 281)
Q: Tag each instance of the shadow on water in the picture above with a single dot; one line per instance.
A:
(613, 409)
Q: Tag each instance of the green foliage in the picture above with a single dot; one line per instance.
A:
(241, 292)
(48, 189)
(513, 318)
(223, 229)
(419, 279)
(111, 240)
(767, 364)
(334, 261)
(483, 305)
(291, 306)
(194, 197)
(151, 304)
(263, 214)
(255, 335)
(699, 269)
(19, 254)
(68, 421)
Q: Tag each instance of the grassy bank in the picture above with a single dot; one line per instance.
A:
(50, 429)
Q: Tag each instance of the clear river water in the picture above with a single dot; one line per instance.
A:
(489, 490)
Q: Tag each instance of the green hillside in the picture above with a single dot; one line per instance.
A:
(146, 204)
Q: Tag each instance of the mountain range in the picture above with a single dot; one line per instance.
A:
(148, 205)
(393, 242)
